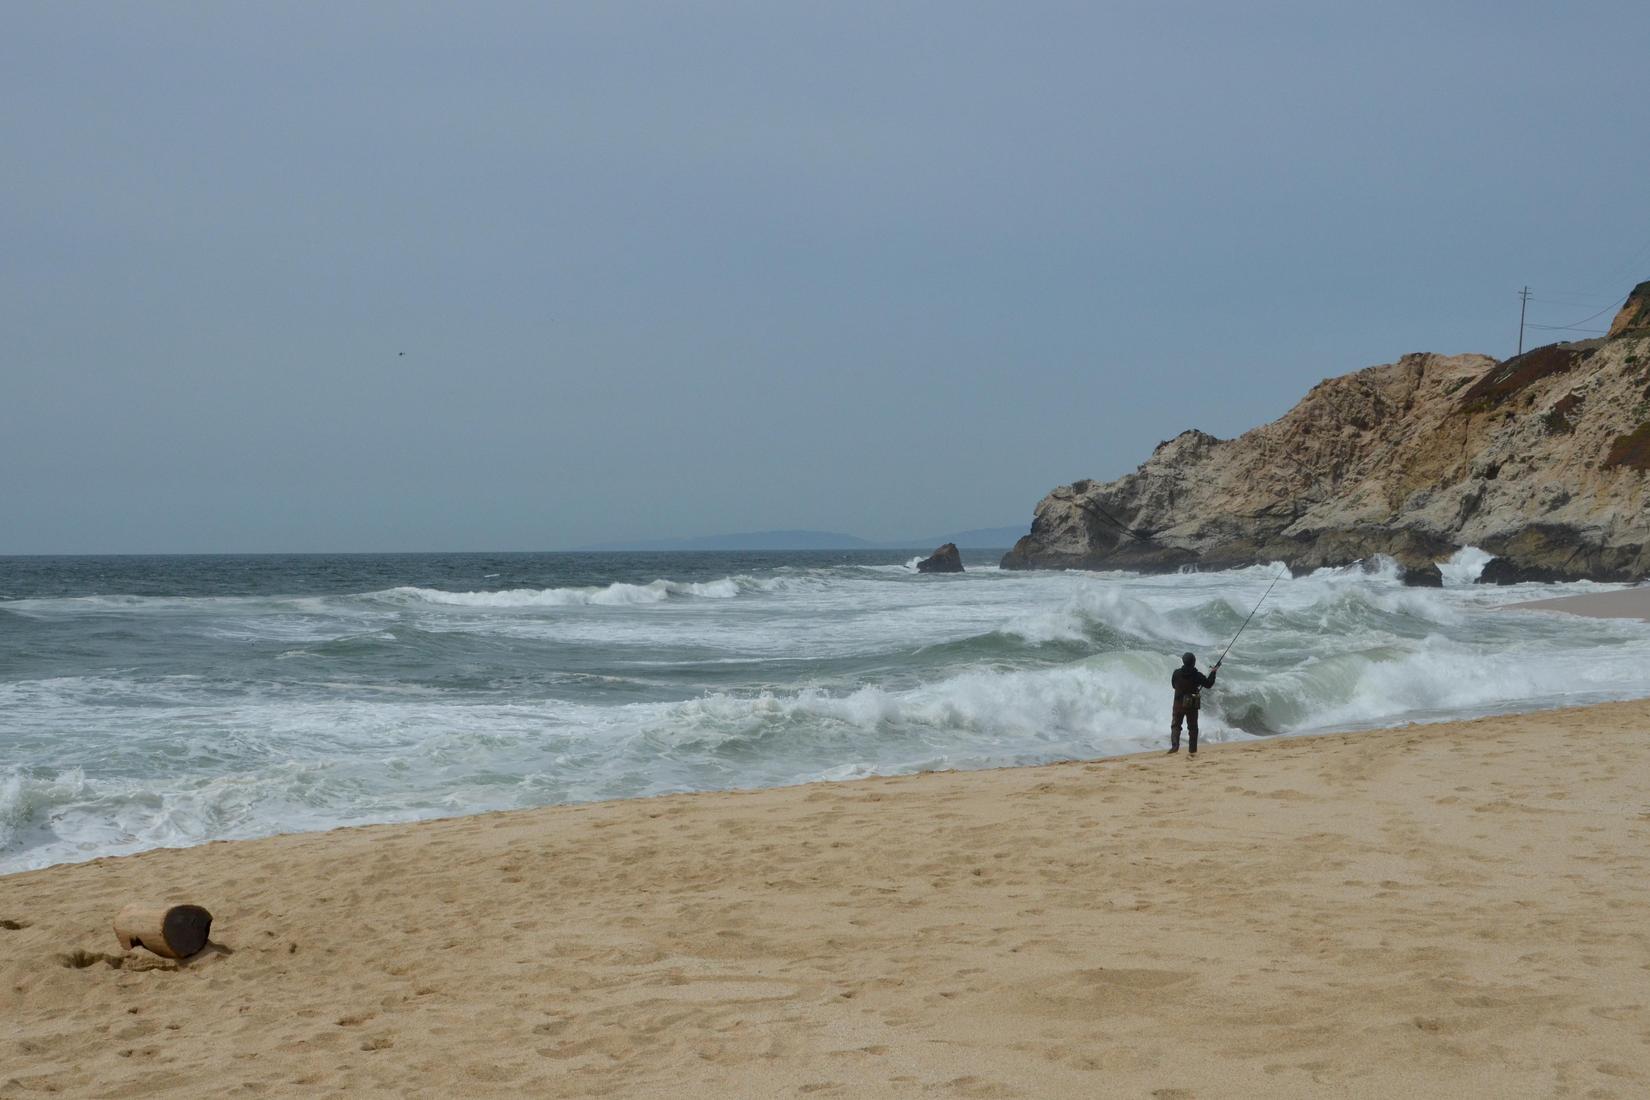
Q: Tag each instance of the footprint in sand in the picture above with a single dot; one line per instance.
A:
(1092, 990)
(80, 959)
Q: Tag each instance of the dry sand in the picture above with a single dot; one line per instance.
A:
(1626, 603)
(1447, 910)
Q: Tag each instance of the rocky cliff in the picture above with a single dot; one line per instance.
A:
(1541, 459)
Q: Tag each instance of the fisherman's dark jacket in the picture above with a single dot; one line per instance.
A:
(1188, 682)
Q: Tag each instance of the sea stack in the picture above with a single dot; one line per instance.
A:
(946, 559)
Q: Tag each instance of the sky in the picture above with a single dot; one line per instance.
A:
(405, 276)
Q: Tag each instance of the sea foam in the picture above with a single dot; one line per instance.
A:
(128, 722)
(613, 595)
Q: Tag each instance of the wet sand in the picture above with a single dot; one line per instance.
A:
(1628, 603)
(1454, 909)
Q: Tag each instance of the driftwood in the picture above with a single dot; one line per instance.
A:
(170, 931)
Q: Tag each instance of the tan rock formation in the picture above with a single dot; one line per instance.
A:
(1541, 459)
(1634, 315)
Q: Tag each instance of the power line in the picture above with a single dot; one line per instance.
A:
(1577, 324)
(1574, 300)
(1524, 299)
(1551, 297)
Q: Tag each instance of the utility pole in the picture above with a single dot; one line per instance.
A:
(1523, 300)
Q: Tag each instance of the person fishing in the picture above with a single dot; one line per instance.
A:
(1188, 685)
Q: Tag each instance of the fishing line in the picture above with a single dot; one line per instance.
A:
(1258, 602)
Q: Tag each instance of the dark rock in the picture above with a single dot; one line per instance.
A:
(1507, 571)
(1023, 555)
(944, 560)
(1549, 552)
(1513, 376)
(1422, 576)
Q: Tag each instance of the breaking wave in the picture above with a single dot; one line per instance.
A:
(136, 721)
(613, 595)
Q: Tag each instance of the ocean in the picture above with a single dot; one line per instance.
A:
(165, 701)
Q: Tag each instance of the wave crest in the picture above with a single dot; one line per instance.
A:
(618, 594)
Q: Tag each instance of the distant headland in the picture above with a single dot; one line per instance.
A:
(1542, 459)
(981, 538)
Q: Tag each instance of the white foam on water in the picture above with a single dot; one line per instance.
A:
(1092, 605)
(116, 603)
(749, 681)
(1464, 566)
(613, 595)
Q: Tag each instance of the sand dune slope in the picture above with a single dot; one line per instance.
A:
(1445, 910)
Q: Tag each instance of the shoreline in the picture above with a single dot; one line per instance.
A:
(1207, 742)
(1625, 603)
(1008, 693)
(1452, 905)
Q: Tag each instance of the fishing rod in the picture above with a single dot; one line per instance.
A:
(1258, 602)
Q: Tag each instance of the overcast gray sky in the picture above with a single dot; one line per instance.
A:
(675, 269)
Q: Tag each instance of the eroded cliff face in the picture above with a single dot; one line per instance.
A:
(1541, 459)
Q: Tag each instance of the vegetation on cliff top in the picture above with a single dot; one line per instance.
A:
(1631, 450)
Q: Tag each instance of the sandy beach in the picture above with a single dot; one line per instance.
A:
(651, 551)
(1455, 908)
(1626, 603)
